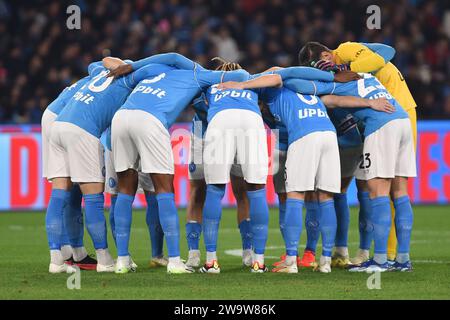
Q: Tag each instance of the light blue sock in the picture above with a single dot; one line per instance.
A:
(154, 225)
(54, 218)
(259, 219)
(112, 223)
(381, 219)
(64, 236)
(328, 226)
(122, 217)
(212, 212)
(95, 219)
(312, 225)
(365, 225)
(343, 219)
(282, 218)
(193, 232)
(168, 217)
(246, 234)
(73, 218)
(403, 226)
(293, 225)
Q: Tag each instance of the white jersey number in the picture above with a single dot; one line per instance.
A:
(313, 100)
(92, 85)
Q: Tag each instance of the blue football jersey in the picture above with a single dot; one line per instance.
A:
(93, 106)
(219, 100)
(280, 129)
(169, 93)
(60, 102)
(200, 121)
(346, 128)
(369, 88)
(300, 114)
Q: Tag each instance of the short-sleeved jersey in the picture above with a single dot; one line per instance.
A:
(60, 102)
(219, 100)
(169, 93)
(300, 114)
(346, 128)
(369, 88)
(93, 106)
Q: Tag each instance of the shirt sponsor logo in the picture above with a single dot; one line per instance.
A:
(160, 93)
(309, 112)
(219, 94)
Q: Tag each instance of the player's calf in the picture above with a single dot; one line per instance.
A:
(403, 223)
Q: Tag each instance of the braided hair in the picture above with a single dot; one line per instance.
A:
(225, 65)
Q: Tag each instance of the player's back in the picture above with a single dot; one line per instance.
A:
(93, 106)
(300, 114)
(166, 95)
(219, 100)
(394, 82)
(370, 88)
(57, 105)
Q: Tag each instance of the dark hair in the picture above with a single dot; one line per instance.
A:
(225, 65)
(310, 52)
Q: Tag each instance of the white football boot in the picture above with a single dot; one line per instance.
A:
(361, 257)
(247, 257)
(156, 262)
(212, 267)
(123, 265)
(325, 264)
(106, 268)
(193, 259)
(61, 268)
(285, 267)
(178, 268)
(105, 262)
(133, 265)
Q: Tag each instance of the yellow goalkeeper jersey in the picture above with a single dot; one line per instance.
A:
(362, 59)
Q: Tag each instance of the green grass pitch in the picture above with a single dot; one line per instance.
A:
(24, 262)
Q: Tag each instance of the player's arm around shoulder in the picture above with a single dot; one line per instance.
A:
(359, 57)
(333, 101)
(112, 63)
(263, 81)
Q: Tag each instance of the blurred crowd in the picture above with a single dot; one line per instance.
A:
(39, 55)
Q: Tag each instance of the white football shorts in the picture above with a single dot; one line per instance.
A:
(350, 159)
(75, 153)
(313, 163)
(139, 140)
(388, 152)
(111, 180)
(236, 134)
(196, 167)
(46, 123)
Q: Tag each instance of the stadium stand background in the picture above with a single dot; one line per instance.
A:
(39, 56)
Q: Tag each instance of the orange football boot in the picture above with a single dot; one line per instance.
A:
(308, 260)
(282, 259)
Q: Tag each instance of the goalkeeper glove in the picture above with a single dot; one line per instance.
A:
(341, 67)
(330, 66)
(323, 65)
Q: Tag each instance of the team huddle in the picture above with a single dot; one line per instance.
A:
(340, 114)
